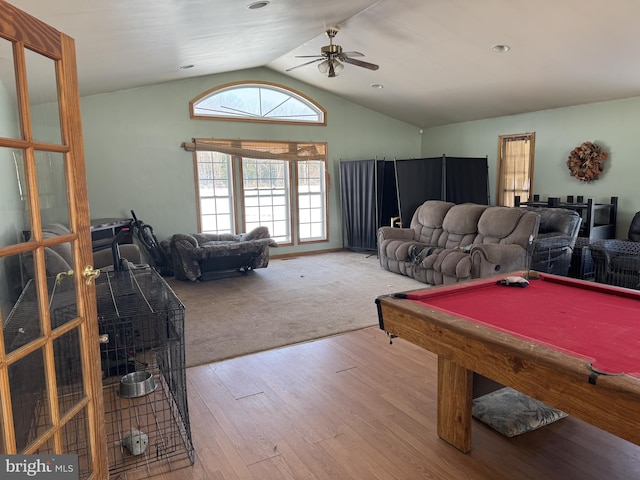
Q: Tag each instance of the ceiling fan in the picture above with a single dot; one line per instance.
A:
(331, 55)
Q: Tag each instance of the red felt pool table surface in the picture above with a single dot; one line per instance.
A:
(599, 324)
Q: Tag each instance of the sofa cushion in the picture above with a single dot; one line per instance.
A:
(62, 249)
(454, 263)
(460, 225)
(56, 229)
(557, 221)
(499, 224)
(428, 221)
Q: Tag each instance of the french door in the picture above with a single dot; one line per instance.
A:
(50, 376)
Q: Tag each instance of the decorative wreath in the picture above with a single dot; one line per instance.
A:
(585, 162)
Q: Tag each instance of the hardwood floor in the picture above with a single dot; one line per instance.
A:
(354, 407)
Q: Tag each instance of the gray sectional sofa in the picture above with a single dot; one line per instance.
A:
(447, 243)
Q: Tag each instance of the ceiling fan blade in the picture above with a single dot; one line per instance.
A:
(360, 63)
(352, 54)
(303, 64)
(309, 56)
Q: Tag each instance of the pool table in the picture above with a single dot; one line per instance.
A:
(572, 344)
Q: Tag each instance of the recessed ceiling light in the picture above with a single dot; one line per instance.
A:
(186, 67)
(257, 5)
(377, 85)
(501, 48)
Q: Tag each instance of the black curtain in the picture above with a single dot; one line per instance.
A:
(386, 192)
(369, 200)
(374, 191)
(467, 180)
(359, 203)
(417, 180)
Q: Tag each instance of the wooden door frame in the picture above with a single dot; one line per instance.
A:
(25, 31)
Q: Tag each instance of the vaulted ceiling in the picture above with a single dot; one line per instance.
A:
(436, 60)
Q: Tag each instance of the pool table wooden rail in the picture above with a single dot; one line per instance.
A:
(556, 378)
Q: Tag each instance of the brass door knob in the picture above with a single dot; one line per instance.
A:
(90, 273)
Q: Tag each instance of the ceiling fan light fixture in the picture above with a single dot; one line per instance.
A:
(330, 67)
(337, 68)
(323, 67)
(329, 55)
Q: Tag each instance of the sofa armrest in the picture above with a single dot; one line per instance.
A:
(554, 242)
(393, 233)
(255, 234)
(493, 258)
(184, 241)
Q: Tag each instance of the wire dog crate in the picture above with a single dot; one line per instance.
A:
(27, 377)
(141, 322)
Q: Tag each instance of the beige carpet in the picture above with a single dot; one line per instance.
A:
(293, 300)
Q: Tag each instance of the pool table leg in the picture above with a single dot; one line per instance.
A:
(455, 394)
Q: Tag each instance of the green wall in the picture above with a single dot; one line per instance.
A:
(134, 161)
(613, 125)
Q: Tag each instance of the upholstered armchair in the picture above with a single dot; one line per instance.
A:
(617, 262)
(552, 249)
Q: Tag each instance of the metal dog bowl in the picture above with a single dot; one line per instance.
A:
(137, 384)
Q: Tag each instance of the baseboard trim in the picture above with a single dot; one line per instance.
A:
(302, 254)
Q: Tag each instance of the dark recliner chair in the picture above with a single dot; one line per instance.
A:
(617, 262)
(553, 247)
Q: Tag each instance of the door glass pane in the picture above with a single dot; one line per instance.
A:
(13, 197)
(12, 281)
(47, 448)
(52, 188)
(9, 115)
(43, 98)
(31, 415)
(68, 370)
(62, 297)
(20, 318)
(75, 439)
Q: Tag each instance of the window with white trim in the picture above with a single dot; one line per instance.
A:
(281, 185)
(257, 102)
(312, 195)
(515, 168)
(215, 192)
(266, 191)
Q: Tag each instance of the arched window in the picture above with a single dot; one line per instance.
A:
(257, 102)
